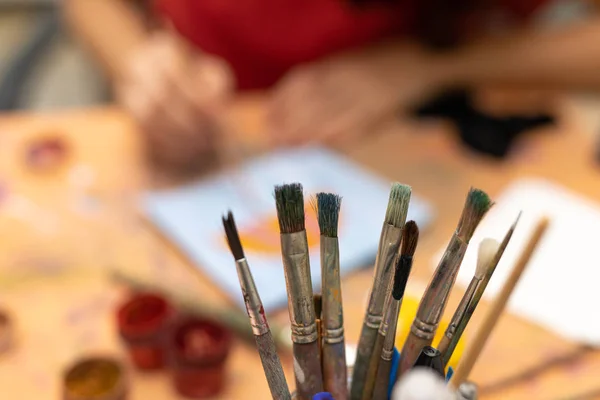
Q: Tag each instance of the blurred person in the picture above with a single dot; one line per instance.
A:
(331, 67)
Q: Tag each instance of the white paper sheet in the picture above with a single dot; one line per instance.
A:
(559, 289)
(191, 217)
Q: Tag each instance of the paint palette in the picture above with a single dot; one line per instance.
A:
(191, 217)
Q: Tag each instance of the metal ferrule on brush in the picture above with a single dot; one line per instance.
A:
(433, 304)
(296, 264)
(384, 265)
(462, 308)
(332, 319)
(254, 306)
(388, 329)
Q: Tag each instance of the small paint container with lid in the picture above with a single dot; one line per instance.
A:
(95, 378)
(200, 350)
(144, 322)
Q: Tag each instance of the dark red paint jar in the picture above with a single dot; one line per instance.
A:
(200, 350)
(144, 322)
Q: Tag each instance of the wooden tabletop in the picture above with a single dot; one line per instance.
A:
(64, 230)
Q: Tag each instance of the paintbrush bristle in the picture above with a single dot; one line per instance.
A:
(328, 206)
(486, 253)
(233, 238)
(398, 205)
(403, 267)
(410, 237)
(476, 206)
(289, 200)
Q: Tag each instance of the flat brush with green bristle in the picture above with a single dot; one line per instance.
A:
(296, 264)
(436, 295)
(490, 252)
(389, 243)
(333, 349)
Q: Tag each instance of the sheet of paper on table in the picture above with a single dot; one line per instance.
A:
(191, 217)
(559, 288)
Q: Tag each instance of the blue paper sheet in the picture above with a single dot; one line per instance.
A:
(190, 217)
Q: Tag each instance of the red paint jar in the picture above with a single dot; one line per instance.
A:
(200, 349)
(144, 322)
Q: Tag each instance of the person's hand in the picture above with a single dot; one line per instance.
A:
(341, 97)
(175, 93)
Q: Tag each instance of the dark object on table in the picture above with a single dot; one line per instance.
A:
(46, 153)
(6, 332)
(24, 62)
(431, 358)
(144, 322)
(94, 379)
(200, 349)
(479, 131)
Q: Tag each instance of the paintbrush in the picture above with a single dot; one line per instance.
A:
(436, 295)
(258, 320)
(378, 377)
(470, 356)
(333, 349)
(487, 251)
(294, 250)
(389, 242)
(490, 252)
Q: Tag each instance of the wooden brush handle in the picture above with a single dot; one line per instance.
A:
(410, 352)
(307, 370)
(472, 353)
(368, 337)
(272, 367)
(335, 377)
(373, 366)
(382, 382)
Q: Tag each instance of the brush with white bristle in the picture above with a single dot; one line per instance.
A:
(421, 384)
(487, 251)
(490, 252)
(433, 302)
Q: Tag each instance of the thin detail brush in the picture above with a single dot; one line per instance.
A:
(436, 295)
(289, 200)
(333, 349)
(485, 255)
(472, 353)
(258, 320)
(389, 242)
(490, 253)
(387, 330)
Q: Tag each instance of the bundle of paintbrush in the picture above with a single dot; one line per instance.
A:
(317, 323)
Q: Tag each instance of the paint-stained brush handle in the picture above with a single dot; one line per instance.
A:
(373, 366)
(411, 350)
(272, 367)
(334, 369)
(368, 337)
(382, 381)
(307, 370)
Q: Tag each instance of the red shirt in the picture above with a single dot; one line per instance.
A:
(263, 39)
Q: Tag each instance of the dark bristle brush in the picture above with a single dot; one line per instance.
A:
(258, 320)
(382, 366)
(296, 263)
